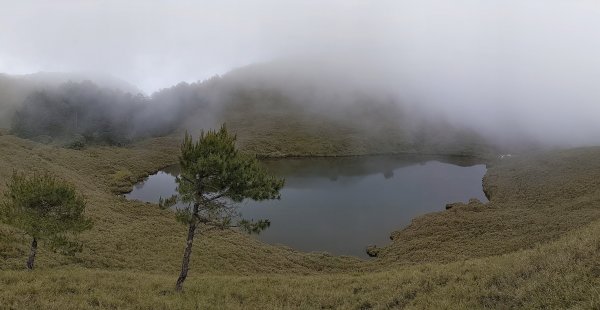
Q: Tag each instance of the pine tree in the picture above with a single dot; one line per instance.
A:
(45, 208)
(214, 176)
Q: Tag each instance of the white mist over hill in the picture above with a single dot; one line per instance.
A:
(512, 70)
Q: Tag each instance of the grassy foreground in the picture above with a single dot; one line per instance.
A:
(535, 245)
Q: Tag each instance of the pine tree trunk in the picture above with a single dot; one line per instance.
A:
(185, 265)
(31, 258)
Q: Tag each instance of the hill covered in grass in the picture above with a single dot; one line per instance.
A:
(534, 245)
(280, 111)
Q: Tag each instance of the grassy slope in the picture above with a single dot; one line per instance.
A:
(272, 123)
(536, 244)
(562, 274)
(132, 234)
(533, 199)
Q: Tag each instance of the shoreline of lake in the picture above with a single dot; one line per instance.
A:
(341, 182)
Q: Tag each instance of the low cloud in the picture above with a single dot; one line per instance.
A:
(508, 69)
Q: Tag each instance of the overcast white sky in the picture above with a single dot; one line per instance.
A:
(534, 59)
(155, 44)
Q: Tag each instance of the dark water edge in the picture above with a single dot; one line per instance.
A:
(343, 204)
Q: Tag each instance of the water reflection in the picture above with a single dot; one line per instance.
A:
(341, 205)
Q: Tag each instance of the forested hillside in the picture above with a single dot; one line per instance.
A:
(14, 89)
(301, 114)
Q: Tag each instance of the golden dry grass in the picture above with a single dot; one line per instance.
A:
(535, 245)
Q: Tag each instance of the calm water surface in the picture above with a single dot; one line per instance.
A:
(341, 205)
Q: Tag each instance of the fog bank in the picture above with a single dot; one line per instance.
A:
(509, 69)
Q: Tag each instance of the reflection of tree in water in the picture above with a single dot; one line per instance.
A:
(172, 170)
(462, 161)
(333, 168)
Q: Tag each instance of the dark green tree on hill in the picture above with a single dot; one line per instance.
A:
(215, 175)
(45, 208)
